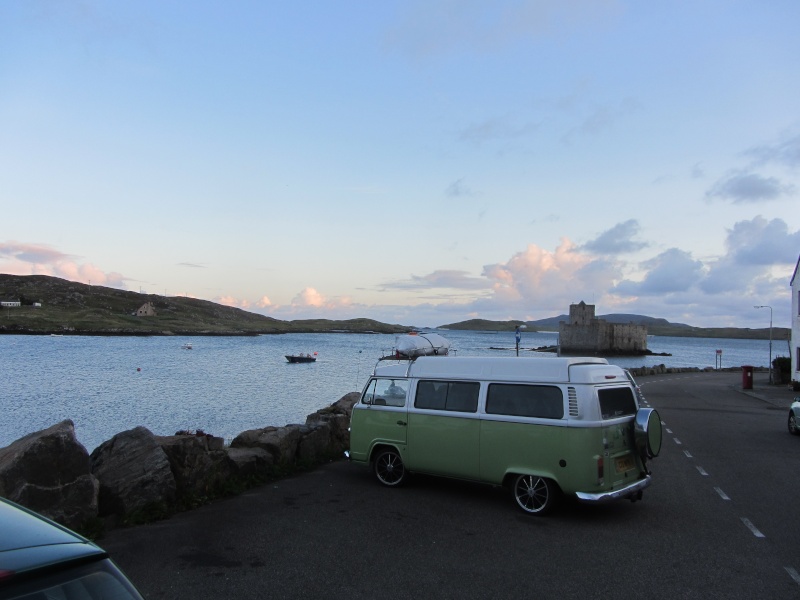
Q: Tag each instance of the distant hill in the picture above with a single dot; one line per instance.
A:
(68, 307)
(654, 326)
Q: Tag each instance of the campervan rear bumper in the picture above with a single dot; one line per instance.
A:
(626, 492)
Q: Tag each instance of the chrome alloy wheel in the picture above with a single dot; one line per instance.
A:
(535, 495)
(389, 467)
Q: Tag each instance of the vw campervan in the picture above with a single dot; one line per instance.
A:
(537, 425)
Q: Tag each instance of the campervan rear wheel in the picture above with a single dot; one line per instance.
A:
(389, 467)
(535, 495)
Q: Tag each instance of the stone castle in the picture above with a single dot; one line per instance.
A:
(586, 334)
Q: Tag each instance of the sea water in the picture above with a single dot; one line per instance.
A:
(226, 385)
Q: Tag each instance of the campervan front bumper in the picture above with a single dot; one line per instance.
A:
(628, 491)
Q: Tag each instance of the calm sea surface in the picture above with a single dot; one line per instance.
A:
(226, 385)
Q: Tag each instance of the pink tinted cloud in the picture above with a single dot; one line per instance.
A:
(232, 302)
(264, 302)
(19, 258)
(541, 278)
(310, 297)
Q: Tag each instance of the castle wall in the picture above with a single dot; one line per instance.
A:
(587, 334)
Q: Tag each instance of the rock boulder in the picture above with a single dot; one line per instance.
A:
(280, 442)
(134, 473)
(337, 418)
(49, 471)
(199, 463)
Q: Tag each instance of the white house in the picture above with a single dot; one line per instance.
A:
(795, 342)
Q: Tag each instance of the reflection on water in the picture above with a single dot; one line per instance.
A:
(226, 385)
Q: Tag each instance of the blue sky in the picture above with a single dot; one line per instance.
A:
(413, 162)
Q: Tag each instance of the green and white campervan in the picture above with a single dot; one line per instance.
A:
(537, 425)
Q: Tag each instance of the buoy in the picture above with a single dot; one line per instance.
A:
(138, 368)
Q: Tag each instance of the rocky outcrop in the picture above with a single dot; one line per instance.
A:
(136, 472)
(50, 472)
(337, 418)
(199, 463)
(249, 463)
(280, 442)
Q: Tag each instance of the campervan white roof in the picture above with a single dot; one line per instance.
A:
(544, 369)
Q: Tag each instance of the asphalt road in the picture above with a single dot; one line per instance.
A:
(720, 521)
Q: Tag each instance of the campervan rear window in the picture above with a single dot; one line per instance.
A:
(543, 401)
(616, 402)
(457, 396)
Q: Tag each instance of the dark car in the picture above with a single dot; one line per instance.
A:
(40, 559)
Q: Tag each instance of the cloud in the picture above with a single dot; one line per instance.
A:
(761, 242)
(752, 249)
(539, 278)
(495, 129)
(17, 258)
(786, 153)
(604, 117)
(458, 189)
(192, 265)
(617, 240)
(758, 259)
(233, 302)
(442, 279)
(32, 253)
(669, 272)
(264, 302)
(743, 188)
(309, 297)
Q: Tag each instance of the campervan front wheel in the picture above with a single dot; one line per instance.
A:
(389, 467)
(535, 495)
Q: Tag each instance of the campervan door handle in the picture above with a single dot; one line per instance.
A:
(401, 423)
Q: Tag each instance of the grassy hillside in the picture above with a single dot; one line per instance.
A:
(68, 307)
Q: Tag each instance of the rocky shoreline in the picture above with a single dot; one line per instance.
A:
(137, 476)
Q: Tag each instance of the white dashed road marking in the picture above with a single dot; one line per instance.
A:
(793, 574)
(722, 494)
(752, 528)
(701, 471)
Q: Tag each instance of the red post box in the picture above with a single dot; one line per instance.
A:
(747, 377)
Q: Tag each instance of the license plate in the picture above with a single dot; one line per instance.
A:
(624, 463)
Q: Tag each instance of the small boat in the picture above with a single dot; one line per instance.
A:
(412, 345)
(301, 358)
(187, 346)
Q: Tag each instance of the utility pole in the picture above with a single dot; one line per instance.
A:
(770, 340)
(518, 335)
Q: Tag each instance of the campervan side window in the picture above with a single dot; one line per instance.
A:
(516, 400)
(616, 402)
(386, 392)
(448, 395)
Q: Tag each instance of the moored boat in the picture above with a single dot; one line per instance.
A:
(301, 358)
